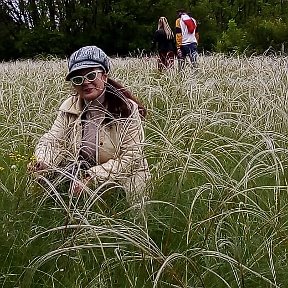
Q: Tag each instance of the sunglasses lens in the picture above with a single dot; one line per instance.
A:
(77, 80)
(91, 76)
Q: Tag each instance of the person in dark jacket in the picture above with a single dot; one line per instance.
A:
(165, 41)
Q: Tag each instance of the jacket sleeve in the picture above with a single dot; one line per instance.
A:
(178, 33)
(51, 145)
(129, 155)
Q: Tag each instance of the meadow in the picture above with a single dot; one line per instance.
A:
(216, 143)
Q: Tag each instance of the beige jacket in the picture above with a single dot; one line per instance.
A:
(120, 151)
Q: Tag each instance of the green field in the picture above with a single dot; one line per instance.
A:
(216, 142)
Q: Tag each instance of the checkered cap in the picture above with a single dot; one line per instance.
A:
(87, 57)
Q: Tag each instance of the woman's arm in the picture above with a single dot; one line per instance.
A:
(130, 152)
(49, 149)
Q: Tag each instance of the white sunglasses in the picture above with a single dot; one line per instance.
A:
(90, 76)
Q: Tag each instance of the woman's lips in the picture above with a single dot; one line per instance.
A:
(88, 90)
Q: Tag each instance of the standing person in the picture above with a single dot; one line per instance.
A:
(186, 38)
(98, 130)
(165, 41)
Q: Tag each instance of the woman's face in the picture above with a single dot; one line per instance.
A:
(92, 83)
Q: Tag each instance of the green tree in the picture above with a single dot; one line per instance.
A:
(233, 40)
(32, 27)
(8, 31)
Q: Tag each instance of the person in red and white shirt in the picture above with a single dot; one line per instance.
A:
(186, 38)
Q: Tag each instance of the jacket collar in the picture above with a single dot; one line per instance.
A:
(72, 105)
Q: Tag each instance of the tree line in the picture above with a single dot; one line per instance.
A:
(57, 27)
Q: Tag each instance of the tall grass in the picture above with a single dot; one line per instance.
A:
(216, 145)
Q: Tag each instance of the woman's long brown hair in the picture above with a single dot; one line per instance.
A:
(116, 97)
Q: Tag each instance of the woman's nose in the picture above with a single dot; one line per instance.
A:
(86, 81)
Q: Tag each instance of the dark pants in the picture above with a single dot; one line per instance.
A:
(189, 50)
(166, 59)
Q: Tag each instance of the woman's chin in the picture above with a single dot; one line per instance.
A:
(89, 96)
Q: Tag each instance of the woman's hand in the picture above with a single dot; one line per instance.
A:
(79, 186)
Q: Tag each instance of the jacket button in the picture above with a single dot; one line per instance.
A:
(101, 143)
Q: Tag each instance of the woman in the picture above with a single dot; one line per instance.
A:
(99, 129)
(164, 39)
